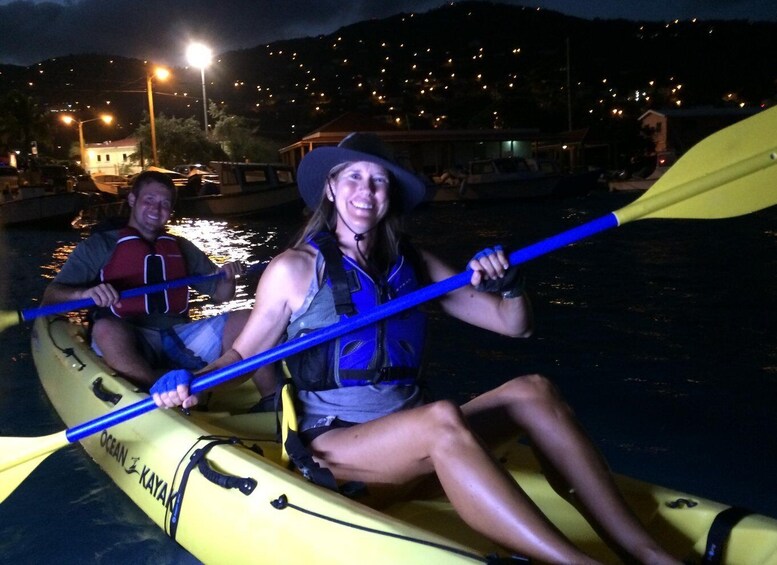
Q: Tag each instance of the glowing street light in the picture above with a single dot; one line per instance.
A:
(106, 118)
(200, 55)
(162, 74)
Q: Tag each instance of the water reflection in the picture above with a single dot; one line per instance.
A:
(58, 258)
(223, 243)
(251, 243)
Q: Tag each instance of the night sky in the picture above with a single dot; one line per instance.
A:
(34, 31)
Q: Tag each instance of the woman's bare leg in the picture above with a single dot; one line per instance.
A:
(436, 439)
(532, 403)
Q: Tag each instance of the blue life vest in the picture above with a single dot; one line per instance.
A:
(387, 352)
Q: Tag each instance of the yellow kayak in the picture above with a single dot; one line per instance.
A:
(216, 481)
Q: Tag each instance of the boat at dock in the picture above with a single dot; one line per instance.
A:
(232, 189)
(113, 185)
(508, 178)
(639, 181)
(28, 205)
(240, 189)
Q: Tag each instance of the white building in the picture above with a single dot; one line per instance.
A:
(112, 157)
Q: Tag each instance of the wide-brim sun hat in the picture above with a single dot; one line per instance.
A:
(359, 146)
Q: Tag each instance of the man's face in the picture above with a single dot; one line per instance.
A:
(151, 208)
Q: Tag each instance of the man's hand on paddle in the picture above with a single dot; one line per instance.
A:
(103, 295)
(232, 270)
(225, 287)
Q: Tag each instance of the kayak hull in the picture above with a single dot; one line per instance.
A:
(276, 514)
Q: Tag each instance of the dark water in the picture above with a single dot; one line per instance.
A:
(662, 334)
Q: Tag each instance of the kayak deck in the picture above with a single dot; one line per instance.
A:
(284, 516)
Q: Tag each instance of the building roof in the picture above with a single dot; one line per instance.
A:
(351, 121)
(333, 132)
(119, 143)
(702, 112)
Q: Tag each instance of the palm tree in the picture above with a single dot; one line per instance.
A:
(22, 121)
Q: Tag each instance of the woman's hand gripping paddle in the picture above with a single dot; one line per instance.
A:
(730, 173)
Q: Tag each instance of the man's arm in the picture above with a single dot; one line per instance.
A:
(198, 263)
(79, 277)
(103, 294)
(225, 287)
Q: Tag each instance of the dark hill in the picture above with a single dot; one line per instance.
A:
(463, 65)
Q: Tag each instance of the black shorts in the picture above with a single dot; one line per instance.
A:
(307, 436)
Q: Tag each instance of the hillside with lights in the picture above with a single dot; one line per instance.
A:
(464, 65)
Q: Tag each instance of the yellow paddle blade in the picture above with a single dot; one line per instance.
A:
(739, 162)
(19, 456)
(8, 319)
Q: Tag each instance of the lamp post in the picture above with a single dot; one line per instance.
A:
(161, 74)
(106, 118)
(200, 55)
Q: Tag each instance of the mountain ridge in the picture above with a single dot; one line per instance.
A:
(462, 65)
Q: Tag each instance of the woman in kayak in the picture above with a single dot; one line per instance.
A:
(361, 410)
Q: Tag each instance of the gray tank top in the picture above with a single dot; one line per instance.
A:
(357, 404)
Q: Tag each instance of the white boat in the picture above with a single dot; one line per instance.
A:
(241, 189)
(115, 185)
(33, 204)
(663, 160)
(636, 183)
(506, 178)
(234, 189)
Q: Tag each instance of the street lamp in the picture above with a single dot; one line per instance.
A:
(106, 118)
(200, 55)
(160, 73)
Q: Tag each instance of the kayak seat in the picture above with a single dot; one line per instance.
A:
(259, 425)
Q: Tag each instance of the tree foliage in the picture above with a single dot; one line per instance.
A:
(178, 140)
(22, 121)
(182, 140)
(238, 139)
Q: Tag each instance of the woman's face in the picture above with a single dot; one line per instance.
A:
(360, 192)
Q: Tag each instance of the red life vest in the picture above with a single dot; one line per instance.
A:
(137, 262)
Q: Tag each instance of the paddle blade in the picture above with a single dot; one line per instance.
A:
(19, 456)
(730, 173)
(8, 319)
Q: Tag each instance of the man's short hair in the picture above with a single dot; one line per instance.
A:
(147, 177)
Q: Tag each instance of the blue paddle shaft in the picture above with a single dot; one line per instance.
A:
(343, 327)
(50, 309)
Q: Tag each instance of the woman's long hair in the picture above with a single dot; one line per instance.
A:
(388, 232)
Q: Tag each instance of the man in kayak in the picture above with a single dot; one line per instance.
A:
(142, 337)
(361, 410)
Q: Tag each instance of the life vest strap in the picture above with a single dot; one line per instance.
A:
(341, 290)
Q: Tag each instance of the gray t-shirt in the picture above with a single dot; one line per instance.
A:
(91, 255)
